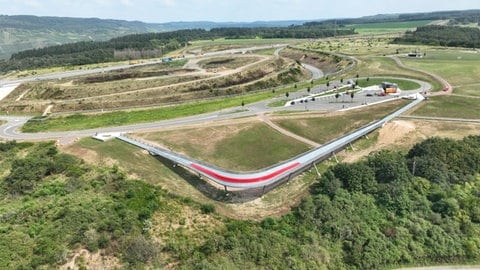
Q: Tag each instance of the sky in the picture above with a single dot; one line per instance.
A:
(158, 11)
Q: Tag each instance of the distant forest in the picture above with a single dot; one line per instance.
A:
(97, 52)
(437, 35)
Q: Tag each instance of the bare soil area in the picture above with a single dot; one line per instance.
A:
(84, 259)
(403, 134)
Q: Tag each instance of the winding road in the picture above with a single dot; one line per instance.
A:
(280, 172)
(276, 173)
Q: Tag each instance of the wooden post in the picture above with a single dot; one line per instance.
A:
(316, 169)
(335, 156)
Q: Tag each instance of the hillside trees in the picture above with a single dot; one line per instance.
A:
(149, 45)
(438, 35)
(368, 215)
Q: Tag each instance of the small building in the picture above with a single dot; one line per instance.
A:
(389, 88)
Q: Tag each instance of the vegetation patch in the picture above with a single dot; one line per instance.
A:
(402, 84)
(245, 147)
(227, 62)
(53, 203)
(387, 27)
(328, 63)
(457, 67)
(452, 36)
(450, 106)
(325, 128)
(356, 212)
(469, 90)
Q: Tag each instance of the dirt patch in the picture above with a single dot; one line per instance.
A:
(205, 138)
(83, 258)
(89, 156)
(403, 134)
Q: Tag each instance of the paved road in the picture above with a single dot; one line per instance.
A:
(10, 130)
(74, 73)
(276, 173)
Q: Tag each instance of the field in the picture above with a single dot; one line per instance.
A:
(241, 147)
(383, 28)
(450, 106)
(458, 67)
(322, 129)
(468, 90)
(402, 84)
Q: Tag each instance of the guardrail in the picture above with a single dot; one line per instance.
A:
(274, 174)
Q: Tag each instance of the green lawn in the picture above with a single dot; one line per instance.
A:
(252, 147)
(457, 67)
(402, 84)
(388, 27)
(384, 66)
(469, 90)
(88, 121)
(323, 129)
(450, 106)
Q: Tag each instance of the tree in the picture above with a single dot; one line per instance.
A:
(337, 95)
(243, 103)
(328, 83)
(352, 95)
(308, 89)
(287, 94)
(341, 80)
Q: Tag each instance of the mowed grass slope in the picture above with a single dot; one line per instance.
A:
(469, 90)
(90, 121)
(450, 106)
(325, 128)
(457, 67)
(402, 84)
(243, 147)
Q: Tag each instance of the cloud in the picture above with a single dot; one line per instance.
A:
(28, 3)
(169, 3)
(127, 3)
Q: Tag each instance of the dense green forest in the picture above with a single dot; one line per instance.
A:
(454, 17)
(437, 35)
(389, 209)
(154, 44)
(386, 210)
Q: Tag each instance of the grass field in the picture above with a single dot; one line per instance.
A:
(243, 147)
(88, 121)
(389, 27)
(455, 66)
(402, 84)
(323, 129)
(469, 90)
(450, 106)
(385, 66)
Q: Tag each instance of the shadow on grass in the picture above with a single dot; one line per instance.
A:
(212, 191)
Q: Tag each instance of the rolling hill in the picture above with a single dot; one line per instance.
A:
(24, 32)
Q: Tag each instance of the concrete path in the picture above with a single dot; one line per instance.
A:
(285, 132)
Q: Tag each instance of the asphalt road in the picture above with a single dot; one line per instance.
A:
(275, 173)
(74, 73)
